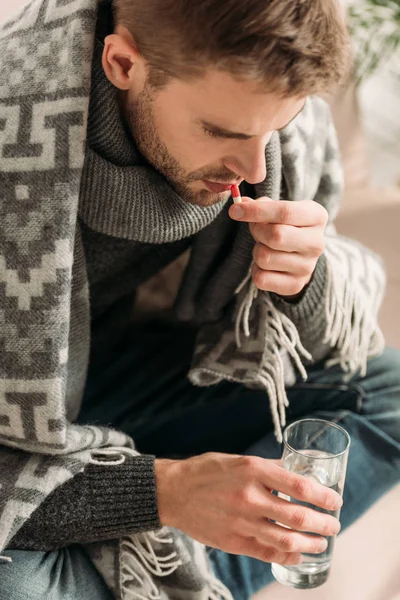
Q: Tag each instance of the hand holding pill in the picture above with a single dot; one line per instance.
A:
(290, 237)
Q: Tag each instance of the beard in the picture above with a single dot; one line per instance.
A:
(139, 117)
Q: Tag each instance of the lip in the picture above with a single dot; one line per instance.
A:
(218, 187)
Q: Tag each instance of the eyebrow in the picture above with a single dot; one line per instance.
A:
(226, 133)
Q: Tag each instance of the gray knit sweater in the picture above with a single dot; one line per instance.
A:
(69, 195)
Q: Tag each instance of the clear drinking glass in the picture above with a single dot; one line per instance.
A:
(317, 449)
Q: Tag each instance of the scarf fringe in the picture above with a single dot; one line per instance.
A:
(99, 456)
(352, 329)
(281, 336)
(218, 591)
(139, 560)
(352, 326)
(7, 559)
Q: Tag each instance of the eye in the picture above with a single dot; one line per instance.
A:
(213, 133)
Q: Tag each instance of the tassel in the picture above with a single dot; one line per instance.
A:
(281, 335)
(100, 456)
(6, 559)
(139, 561)
(352, 327)
(218, 591)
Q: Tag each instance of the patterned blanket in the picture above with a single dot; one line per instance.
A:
(45, 62)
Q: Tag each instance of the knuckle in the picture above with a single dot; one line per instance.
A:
(257, 209)
(285, 212)
(327, 529)
(245, 496)
(259, 279)
(298, 518)
(302, 486)
(259, 231)
(253, 230)
(261, 255)
(286, 542)
(307, 269)
(326, 498)
(256, 253)
(318, 248)
(277, 235)
(268, 555)
(249, 464)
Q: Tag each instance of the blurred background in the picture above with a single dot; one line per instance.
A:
(366, 563)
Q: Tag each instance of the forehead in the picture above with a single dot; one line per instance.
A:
(217, 97)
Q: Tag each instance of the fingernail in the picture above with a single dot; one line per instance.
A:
(322, 546)
(336, 529)
(237, 212)
(338, 503)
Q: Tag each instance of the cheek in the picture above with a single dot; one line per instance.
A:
(190, 147)
(193, 152)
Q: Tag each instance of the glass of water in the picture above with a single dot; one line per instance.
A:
(318, 449)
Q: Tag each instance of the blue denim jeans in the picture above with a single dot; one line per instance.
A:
(143, 391)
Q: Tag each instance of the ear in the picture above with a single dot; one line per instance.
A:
(121, 58)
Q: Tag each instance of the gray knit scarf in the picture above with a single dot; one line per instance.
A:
(109, 184)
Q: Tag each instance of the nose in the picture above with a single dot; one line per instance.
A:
(249, 160)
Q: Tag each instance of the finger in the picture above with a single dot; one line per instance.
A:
(288, 262)
(305, 213)
(300, 518)
(287, 540)
(267, 553)
(284, 284)
(300, 487)
(309, 241)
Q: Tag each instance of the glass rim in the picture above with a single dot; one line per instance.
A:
(302, 453)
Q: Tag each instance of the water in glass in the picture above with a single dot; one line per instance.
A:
(314, 569)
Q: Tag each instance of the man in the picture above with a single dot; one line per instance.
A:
(122, 129)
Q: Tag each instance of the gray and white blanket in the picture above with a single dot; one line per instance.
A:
(45, 66)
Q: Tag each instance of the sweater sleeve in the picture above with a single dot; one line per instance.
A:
(102, 502)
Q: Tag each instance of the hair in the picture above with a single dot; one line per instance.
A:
(289, 47)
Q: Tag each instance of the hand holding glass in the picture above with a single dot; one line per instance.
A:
(316, 449)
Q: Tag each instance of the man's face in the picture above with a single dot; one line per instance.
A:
(210, 130)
